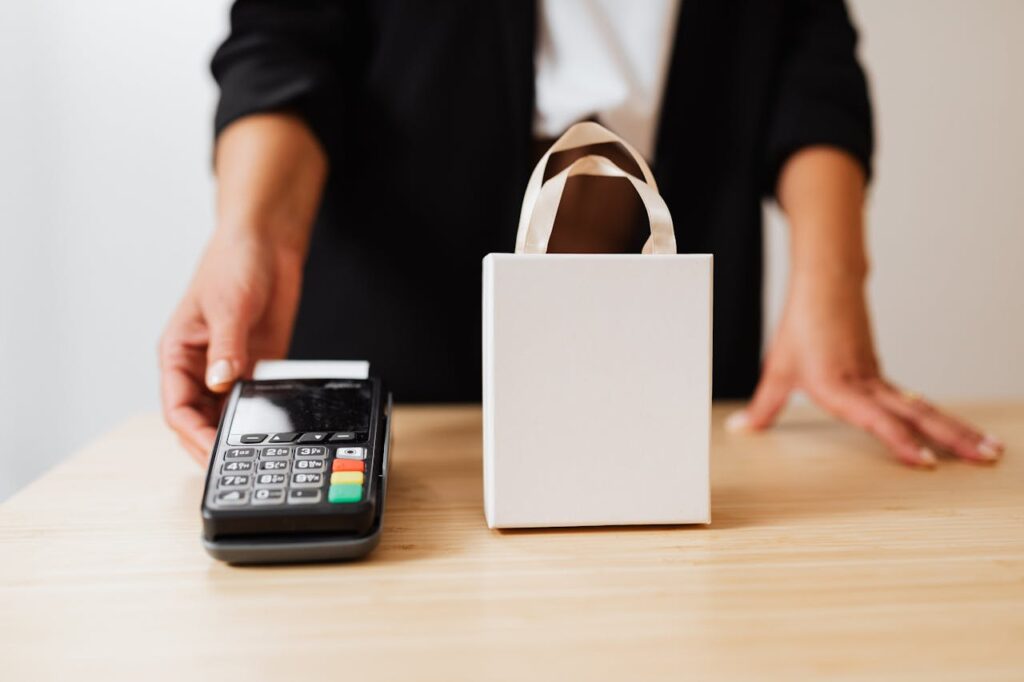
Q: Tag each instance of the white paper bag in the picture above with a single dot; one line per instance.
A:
(596, 369)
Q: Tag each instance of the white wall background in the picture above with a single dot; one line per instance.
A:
(106, 195)
(105, 201)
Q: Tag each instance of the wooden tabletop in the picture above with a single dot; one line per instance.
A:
(823, 559)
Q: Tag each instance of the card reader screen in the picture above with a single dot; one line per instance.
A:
(307, 405)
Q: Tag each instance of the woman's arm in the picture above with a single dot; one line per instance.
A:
(241, 303)
(240, 306)
(824, 343)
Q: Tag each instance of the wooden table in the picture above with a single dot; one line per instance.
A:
(824, 559)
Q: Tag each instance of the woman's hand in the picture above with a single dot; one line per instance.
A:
(240, 306)
(824, 343)
(823, 346)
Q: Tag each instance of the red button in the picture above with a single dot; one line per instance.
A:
(347, 465)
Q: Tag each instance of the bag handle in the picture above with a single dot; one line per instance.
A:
(580, 135)
(542, 221)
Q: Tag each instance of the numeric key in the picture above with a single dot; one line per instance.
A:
(273, 465)
(268, 496)
(307, 480)
(235, 466)
(233, 481)
(309, 464)
(271, 480)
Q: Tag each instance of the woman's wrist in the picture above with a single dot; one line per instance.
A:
(276, 234)
(825, 272)
(271, 171)
(821, 189)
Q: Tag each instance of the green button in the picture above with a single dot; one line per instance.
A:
(345, 492)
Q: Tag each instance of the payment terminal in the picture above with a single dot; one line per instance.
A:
(298, 472)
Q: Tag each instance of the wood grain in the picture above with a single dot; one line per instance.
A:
(824, 559)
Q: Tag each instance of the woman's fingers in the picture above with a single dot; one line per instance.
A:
(193, 431)
(770, 397)
(188, 408)
(187, 413)
(942, 429)
(200, 456)
(858, 408)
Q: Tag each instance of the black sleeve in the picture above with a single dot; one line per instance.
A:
(281, 56)
(821, 96)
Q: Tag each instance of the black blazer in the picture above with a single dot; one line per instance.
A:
(425, 109)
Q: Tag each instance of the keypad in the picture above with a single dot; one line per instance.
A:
(297, 474)
(347, 475)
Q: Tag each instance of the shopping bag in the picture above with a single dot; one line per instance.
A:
(596, 368)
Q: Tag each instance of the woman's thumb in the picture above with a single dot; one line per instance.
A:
(227, 353)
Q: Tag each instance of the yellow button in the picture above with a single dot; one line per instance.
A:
(347, 477)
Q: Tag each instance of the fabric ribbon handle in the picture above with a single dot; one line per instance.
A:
(540, 202)
(538, 232)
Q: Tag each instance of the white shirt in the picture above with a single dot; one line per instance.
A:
(607, 58)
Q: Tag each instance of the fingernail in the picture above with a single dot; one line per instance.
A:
(926, 457)
(737, 422)
(994, 441)
(219, 373)
(990, 448)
